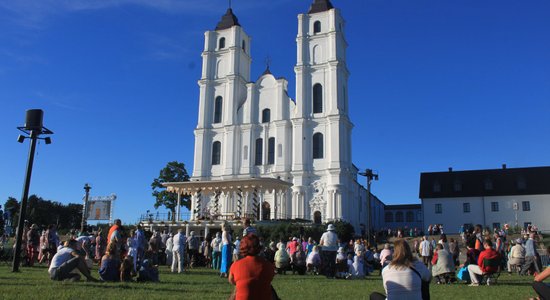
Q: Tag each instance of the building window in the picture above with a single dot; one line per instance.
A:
(496, 225)
(271, 151)
(526, 205)
(316, 27)
(218, 105)
(522, 184)
(437, 187)
(216, 153)
(466, 207)
(244, 46)
(410, 216)
(399, 217)
(494, 206)
(259, 152)
(438, 208)
(317, 98)
(488, 184)
(458, 186)
(419, 216)
(388, 217)
(526, 224)
(266, 115)
(221, 44)
(317, 145)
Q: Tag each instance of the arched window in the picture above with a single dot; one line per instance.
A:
(244, 46)
(266, 115)
(216, 153)
(410, 216)
(271, 151)
(221, 44)
(399, 217)
(316, 27)
(317, 217)
(317, 98)
(388, 217)
(318, 145)
(218, 105)
(259, 152)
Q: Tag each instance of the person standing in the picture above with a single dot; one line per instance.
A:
(248, 228)
(33, 245)
(329, 244)
(132, 245)
(142, 243)
(193, 246)
(178, 252)
(226, 250)
(530, 255)
(426, 251)
(216, 251)
(169, 246)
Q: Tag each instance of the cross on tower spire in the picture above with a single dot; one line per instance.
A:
(267, 64)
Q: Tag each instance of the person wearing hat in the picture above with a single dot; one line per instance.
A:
(193, 245)
(516, 256)
(329, 246)
(33, 245)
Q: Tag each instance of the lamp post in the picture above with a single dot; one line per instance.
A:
(33, 129)
(87, 188)
(370, 177)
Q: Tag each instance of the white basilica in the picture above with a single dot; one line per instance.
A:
(261, 154)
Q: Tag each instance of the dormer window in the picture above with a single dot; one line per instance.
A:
(488, 184)
(316, 27)
(437, 187)
(458, 186)
(221, 43)
(522, 184)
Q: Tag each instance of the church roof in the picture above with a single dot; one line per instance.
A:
(228, 20)
(320, 6)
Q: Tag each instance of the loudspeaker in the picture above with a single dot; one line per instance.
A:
(33, 119)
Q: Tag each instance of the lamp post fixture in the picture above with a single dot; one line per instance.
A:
(370, 177)
(87, 188)
(33, 129)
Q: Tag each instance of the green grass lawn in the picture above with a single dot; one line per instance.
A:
(33, 283)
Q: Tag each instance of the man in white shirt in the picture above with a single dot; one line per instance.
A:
(426, 251)
(65, 261)
(178, 251)
(329, 244)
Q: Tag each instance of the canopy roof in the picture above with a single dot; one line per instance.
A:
(243, 185)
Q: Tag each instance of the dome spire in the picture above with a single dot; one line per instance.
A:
(320, 6)
(228, 20)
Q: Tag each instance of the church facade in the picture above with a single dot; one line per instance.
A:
(253, 129)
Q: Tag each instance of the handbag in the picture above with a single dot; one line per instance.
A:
(463, 274)
(425, 286)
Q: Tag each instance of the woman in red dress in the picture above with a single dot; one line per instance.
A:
(252, 274)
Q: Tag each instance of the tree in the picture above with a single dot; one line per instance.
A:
(173, 172)
(11, 207)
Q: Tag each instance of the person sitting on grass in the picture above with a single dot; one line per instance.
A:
(298, 260)
(127, 270)
(313, 261)
(148, 272)
(442, 264)
(385, 255)
(252, 274)
(109, 269)
(403, 277)
(542, 289)
(282, 260)
(65, 261)
(480, 268)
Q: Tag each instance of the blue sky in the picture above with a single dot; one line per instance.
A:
(433, 84)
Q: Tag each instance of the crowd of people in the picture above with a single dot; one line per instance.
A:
(406, 266)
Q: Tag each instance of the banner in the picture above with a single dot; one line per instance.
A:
(99, 210)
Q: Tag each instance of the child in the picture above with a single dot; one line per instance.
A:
(341, 264)
(127, 269)
(358, 266)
